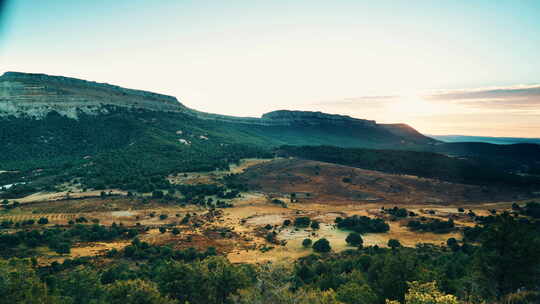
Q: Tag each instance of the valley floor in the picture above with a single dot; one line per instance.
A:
(239, 232)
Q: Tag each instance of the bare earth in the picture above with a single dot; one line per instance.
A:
(239, 232)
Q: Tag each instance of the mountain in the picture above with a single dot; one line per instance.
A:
(35, 96)
(55, 129)
(487, 139)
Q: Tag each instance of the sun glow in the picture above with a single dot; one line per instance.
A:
(415, 105)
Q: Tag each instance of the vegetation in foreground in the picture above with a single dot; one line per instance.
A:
(502, 265)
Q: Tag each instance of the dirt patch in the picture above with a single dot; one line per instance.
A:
(336, 184)
(65, 195)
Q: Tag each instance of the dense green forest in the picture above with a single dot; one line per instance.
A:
(424, 164)
(132, 150)
(503, 263)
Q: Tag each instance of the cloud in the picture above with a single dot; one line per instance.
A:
(518, 91)
(520, 97)
(496, 111)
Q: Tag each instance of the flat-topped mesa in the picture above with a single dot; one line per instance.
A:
(286, 117)
(38, 94)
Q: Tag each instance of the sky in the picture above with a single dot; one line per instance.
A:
(443, 67)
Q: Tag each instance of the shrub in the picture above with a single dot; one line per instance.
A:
(393, 243)
(362, 224)
(307, 243)
(354, 239)
(322, 246)
(302, 221)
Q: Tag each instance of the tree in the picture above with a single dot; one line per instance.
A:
(175, 231)
(452, 243)
(394, 244)
(322, 246)
(63, 248)
(426, 293)
(302, 221)
(43, 221)
(354, 239)
(273, 286)
(315, 225)
(307, 243)
(162, 229)
(286, 222)
(211, 280)
(21, 284)
(82, 286)
(136, 292)
(509, 258)
(353, 293)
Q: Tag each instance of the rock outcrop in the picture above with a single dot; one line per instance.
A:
(38, 94)
(35, 95)
(285, 117)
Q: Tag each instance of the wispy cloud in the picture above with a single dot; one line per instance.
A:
(520, 99)
(519, 92)
(498, 111)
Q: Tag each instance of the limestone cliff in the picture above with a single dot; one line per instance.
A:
(38, 94)
(35, 95)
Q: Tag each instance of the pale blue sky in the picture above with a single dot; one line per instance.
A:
(250, 57)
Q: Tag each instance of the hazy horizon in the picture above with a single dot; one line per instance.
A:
(460, 67)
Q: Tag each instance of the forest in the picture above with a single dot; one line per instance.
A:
(424, 164)
(504, 259)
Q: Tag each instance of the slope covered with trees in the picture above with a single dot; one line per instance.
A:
(424, 164)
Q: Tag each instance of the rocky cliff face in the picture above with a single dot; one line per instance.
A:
(38, 94)
(284, 117)
(35, 95)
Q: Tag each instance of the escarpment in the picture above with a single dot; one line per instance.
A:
(38, 94)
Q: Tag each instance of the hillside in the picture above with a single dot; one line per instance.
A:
(57, 128)
(326, 183)
(425, 164)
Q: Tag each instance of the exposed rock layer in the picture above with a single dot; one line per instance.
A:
(35, 95)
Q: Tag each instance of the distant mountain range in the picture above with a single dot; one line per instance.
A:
(103, 135)
(486, 139)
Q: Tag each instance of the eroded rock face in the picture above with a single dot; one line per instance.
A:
(35, 95)
(284, 117)
(38, 94)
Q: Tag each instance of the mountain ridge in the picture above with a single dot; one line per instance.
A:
(36, 94)
(54, 129)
